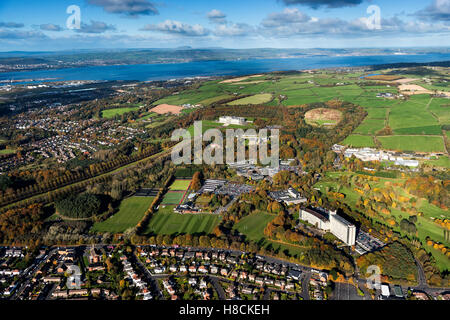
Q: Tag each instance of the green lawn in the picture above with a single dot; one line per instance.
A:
(165, 221)
(7, 151)
(355, 140)
(256, 99)
(131, 211)
(180, 185)
(209, 101)
(253, 225)
(443, 162)
(148, 116)
(111, 113)
(370, 126)
(413, 143)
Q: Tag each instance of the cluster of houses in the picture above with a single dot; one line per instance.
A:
(48, 276)
(200, 285)
(135, 279)
(220, 264)
(69, 138)
(317, 283)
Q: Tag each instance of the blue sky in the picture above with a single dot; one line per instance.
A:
(41, 25)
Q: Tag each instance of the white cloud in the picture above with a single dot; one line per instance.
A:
(217, 16)
(179, 28)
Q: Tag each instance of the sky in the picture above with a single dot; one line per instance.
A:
(29, 25)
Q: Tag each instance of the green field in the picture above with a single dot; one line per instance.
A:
(413, 143)
(357, 141)
(443, 162)
(130, 212)
(148, 116)
(111, 113)
(165, 221)
(7, 151)
(408, 116)
(253, 225)
(370, 126)
(180, 185)
(172, 197)
(256, 99)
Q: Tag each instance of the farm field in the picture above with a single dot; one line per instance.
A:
(256, 99)
(370, 126)
(413, 115)
(413, 143)
(443, 161)
(130, 212)
(359, 141)
(111, 113)
(165, 221)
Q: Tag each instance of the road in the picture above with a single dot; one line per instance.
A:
(305, 286)
(28, 274)
(218, 287)
(150, 279)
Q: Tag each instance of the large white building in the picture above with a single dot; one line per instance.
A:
(232, 120)
(330, 221)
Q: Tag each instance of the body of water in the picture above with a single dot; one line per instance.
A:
(144, 72)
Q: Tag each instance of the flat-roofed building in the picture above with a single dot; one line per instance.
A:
(232, 120)
(330, 221)
(317, 218)
(342, 229)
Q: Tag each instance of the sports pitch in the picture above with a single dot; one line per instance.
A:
(180, 185)
(165, 221)
(130, 212)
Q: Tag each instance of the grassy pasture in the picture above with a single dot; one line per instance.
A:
(417, 143)
(7, 151)
(370, 126)
(111, 113)
(130, 212)
(256, 99)
(358, 141)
